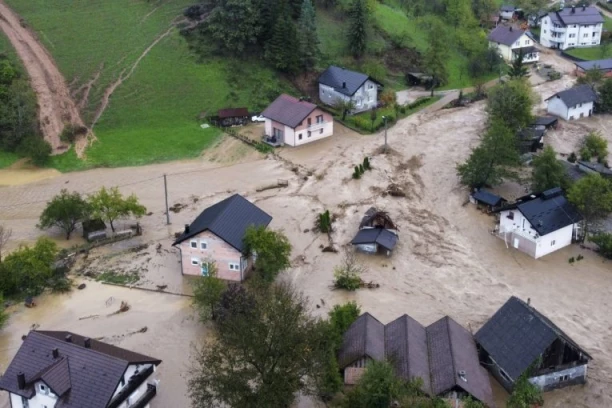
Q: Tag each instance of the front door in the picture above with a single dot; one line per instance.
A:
(204, 267)
(278, 135)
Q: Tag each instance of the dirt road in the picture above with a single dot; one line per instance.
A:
(56, 106)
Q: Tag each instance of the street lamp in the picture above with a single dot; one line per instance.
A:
(385, 119)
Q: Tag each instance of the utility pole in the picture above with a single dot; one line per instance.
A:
(385, 119)
(166, 194)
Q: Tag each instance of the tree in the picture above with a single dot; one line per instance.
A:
(491, 161)
(512, 104)
(3, 315)
(272, 249)
(594, 145)
(518, 69)
(357, 33)
(282, 354)
(341, 317)
(5, 236)
(347, 275)
(235, 24)
(64, 211)
(345, 106)
(592, 77)
(525, 394)
(604, 242)
(281, 48)
(548, 172)
(207, 293)
(436, 56)
(483, 10)
(605, 96)
(592, 196)
(459, 13)
(235, 300)
(110, 206)
(307, 36)
(36, 149)
(373, 116)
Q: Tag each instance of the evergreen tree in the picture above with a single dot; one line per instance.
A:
(518, 68)
(296, 8)
(269, 11)
(307, 35)
(357, 29)
(280, 50)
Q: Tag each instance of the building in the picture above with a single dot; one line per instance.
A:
(511, 41)
(486, 200)
(572, 27)
(294, 122)
(216, 235)
(508, 11)
(590, 167)
(520, 340)
(573, 103)
(377, 233)
(63, 369)
(538, 224)
(233, 117)
(604, 66)
(443, 355)
(337, 84)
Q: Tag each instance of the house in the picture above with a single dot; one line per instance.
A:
(547, 121)
(572, 27)
(443, 355)
(531, 138)
(216, 235)
(67, 370)
(233, 117)
(538, 224)
(487, 200)
(337, 84)
(377, 233)
(518, 340)
(604, 66)
(573, 103)
(511, 41)
(294, 122)
(590, 167)
(507, 11)
(571, 170)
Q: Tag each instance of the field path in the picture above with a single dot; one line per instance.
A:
(56, 106)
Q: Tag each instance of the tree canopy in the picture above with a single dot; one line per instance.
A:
(307, 36)
(512, 104)
(592, 196)
(518, 69)
(357, 33)
(272, 250)
(605, 96)
(110, 205)
(64, 211)
(436, 56)
(207, 292)
(548, 172)
(235, 24)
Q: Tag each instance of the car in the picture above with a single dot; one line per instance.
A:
(258, 118)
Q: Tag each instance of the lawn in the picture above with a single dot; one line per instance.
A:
(152, 116)
(607, 23)
(6, 159)
(590, 53)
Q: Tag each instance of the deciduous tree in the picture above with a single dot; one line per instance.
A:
(64, 211)
(5, 236)
(594, 145)
(272, 250)
(548, 172)
(592, 196)
(110, 205)
(357, 33)
(592, 77)
(345, 106)
(235, 24)
(511, 103)
(207, 292)
(605, 96)
(436, 56)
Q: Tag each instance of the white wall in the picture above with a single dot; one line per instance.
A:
(39, 400)
(504, 50)
(556, 107)
(585, 110)
(141, 389)
(315, 134)
(554, 241)
(573, 36)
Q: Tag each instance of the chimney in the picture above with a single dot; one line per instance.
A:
(186, 228)
(68, 338)
(55, 353)
(584, 7)
(529, 301)
(21, 380)
(344, 85)
(573, 9)
(87, 342)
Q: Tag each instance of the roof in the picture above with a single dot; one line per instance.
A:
(454, 361)
(603, 65)
(505, 35)
(549, 212)
(508, 7)
(380, 236)
(577, 15)
(229, 220)
(545, 121)
(571, 170)
(532, 133)
(343, 80)
(288, 110)
(232, 112)
(80, 376)
(596, 167)
(517, 334)
(487, 198)
(365, 337)
(576, 95)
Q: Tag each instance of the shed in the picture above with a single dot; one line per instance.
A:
(373, 240)
(487, 200)
(590, 167)
(94, 229)
(377, 219)
(546, 121)
(233, 116)
(419, 78)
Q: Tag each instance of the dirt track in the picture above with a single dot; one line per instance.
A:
(56, 106)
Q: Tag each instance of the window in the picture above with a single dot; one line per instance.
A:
(511, 215)
(320, 131)
(309, 121)
(544, 31)
(320, 119)
(309, 133)
(552, 243)
(25, 402)
(370, 86)
(43, 389)
(504, 375)
(526, 42)
(194, 243)
(195, 261)
(572, 35)
(563, 378)
(580, 106)
(300, 136)
(203, 244)
(594, 34)
(233, 266)
(586, 35)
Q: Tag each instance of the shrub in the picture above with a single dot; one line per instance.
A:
(366, 164)
(362, 123)
(572, 158)
(36, 149)
(604, 242)
(341, 317)
(402, 110)
(324, 222)
(579, 257)
(356, 173)
(60, 285)
(71, 132)
(361, 169)
(347, 274)
(571, 260)
(596, 146)
(585, 153)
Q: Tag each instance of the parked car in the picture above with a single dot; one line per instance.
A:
(258, 118)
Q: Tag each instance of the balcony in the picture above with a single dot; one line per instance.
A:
(146, 397)
(133, 383)
(558, 29)
(316, 126)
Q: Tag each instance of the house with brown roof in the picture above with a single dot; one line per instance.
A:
(67, 370)
(443, 355)
(295, 122)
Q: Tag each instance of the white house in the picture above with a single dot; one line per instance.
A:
(295, 122)
(539, 224)
(337, 84)
(572, 27)
(511, 41)
(573, 103)
(507, 11)
(62, 369)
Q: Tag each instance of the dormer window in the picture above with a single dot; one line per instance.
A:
(42, 388)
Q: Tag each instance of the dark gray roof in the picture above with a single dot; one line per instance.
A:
(505, 35)
(545, 121)
(549, 212)
(532, 133)
(364, 338)
(603, 65)
(576, 95)
(452, 352)
(577, 15)
(488, 198)
(82, 377)
(507, 7)
(406, 349)
(517, 335)
(380, 236)
(596, 167)
(342, 80)
(288, 110)
(229, 220)
(571, 170)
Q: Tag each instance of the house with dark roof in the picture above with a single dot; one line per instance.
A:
(377, 233)
(67, 370)
(216, 235)
(339, 84)
(519, 340)
(604, 66)
(294, 122)
(486, 200)
(573, 103)
(538, 224)
(443, 355)
(511, 42)
(574, 26)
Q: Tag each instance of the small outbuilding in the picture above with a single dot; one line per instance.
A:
(233, 117)
(486, 200)
(590, 167)
(377, 233)
(604, 66)
(549, 122)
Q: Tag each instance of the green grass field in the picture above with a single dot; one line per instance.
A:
(590, 53)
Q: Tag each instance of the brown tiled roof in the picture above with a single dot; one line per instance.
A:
(288, 110)
(232, 113)
(364, 338)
